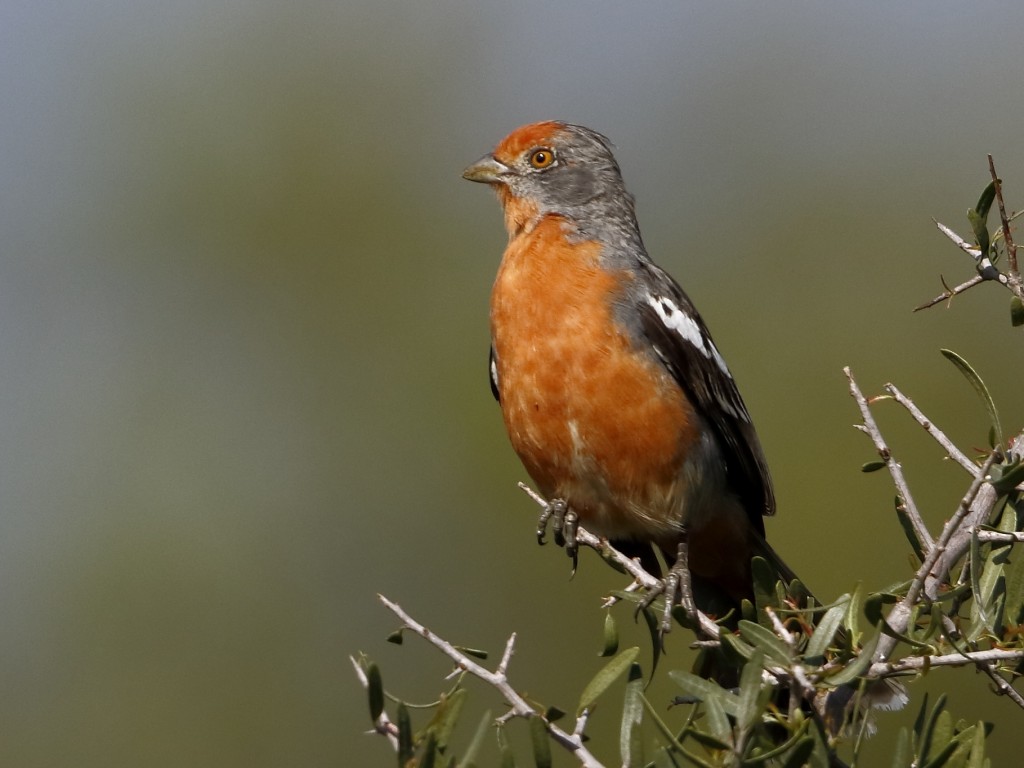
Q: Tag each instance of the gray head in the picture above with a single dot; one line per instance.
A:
(559, 168)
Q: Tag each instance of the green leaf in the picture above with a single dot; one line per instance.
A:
(553, 714)
(395, 637)
(429, 751)
(1005, 477)
(703, 690)
(857, 666)
(404, 723)
(925, 742)
(908, 528)
(654, 630)
(823, 634)
(605, 677)
(474, 652)
(1016, 312)
(978, 217)
(717, 721)
(375, 690)
(977, 759)
(854, 610)
(873, 608)
(901, 751)
(979, 386)
(943, 756)
(748, 711)
(985, 200)
(800, 754)
(611, 636)
(919, 721)
(630, 746)
(446, 717)
(942, 733)
(469, 759)
(765, 640)
(872, 466)
(541, 744)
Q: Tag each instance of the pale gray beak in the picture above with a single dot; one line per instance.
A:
(486, 170)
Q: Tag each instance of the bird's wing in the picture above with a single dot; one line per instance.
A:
(683, 343)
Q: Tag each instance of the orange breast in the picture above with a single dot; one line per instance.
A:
(594, 421)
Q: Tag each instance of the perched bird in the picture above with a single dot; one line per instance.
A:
(614, 396)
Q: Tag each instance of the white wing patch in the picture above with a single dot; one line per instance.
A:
(675, 319)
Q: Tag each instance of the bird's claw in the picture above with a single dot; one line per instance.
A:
(676, 588)
(564, 522)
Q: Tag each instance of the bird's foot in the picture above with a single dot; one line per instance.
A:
(676, 588)
(564, 522)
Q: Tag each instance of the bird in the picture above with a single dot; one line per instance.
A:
(615, 397)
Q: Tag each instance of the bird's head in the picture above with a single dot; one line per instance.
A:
(554, 168)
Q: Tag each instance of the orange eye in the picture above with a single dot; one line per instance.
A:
(542, 157)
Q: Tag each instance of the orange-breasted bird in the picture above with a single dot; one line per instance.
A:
(614, 396)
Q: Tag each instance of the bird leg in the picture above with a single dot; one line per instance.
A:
(564, 522)
(675, 584)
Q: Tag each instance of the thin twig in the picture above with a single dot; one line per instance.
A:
(498, 679)
(949, 293)
(1000, 537)
(929, 575)
(924, 538)
(916, 663)
(1003, 688)
(971, 250)
(1011, 248)
(937, 434)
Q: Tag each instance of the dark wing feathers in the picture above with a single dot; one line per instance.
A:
(492, 371)
(685, 348)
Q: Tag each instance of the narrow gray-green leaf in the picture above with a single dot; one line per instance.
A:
(800, 754)
(632, 715)
(375, 690)
(404, 723)
(901, 750)
(429, 751)
(979, 386)
(750, 690)
(855, 668)
(766, 640)
(977, 759)
(717, 721)
(469, 759)
(541, 743)
(605, 677)
(925, 743)
(854, 610)
(443, 723)
(988, 195)
(611, 636)
(703, 689)
(823, 634)
(1016, 312)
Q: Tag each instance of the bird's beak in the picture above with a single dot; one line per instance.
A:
(486, 170)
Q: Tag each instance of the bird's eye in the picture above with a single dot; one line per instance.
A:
(542, 157)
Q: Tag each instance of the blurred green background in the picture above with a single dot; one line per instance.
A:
(243, 334)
